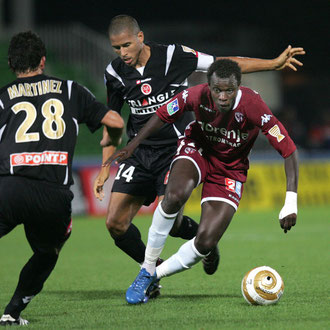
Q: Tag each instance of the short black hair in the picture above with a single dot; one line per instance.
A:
(25, 52)
(121, 23)
(224, 68)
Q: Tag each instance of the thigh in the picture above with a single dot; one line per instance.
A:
(49, 223)
(123, 208)
(183, 178)
(44, 209)
(215, 219)
(133, 179)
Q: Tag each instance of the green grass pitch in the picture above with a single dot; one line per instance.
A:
(87, 288)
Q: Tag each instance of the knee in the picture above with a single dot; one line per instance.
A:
(204, 243)
(116, 226)
(173, 201)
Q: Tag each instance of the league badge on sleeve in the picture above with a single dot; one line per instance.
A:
(275, 132)
(173, 107)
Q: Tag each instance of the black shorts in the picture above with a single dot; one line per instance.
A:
(144, 173)
(43, 208)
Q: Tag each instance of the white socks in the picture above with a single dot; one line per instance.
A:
(162, 224)
(185, 258)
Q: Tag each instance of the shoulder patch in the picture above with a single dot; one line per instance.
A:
(173, 107)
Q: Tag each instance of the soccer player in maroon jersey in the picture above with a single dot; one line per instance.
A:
(39, 118)
(145, 75)
(213, 151)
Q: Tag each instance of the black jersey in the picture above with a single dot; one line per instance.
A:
(146, 89)
(39, 118)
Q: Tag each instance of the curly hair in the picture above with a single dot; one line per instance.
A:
(25, 52)
(224, 68)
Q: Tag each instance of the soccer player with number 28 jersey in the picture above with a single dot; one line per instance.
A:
(214, 151)
(39, 118)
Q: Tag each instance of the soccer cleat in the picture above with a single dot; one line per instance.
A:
(6, 319)
(138, 291)
(154, 289)
(211, 261)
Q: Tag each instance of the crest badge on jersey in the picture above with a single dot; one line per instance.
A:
(189, 150)
(146, 89)
(173, 107)
(239, 117)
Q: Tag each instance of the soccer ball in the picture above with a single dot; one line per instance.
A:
(262, 286)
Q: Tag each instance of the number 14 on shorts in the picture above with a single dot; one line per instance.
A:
(127, 174)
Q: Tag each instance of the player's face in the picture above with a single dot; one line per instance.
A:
(224, 92)
(127, 46)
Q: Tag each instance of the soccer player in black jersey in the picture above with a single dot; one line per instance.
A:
(145, 75)
(39, 118)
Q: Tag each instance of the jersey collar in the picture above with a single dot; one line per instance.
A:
(238, 98)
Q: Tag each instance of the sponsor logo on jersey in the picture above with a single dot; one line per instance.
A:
(233, 186)
(173, 107)
(224, 135)
(39, 158)
(276, 132)
(265, 119)
(206, 108)
(239, 117)
(147, 110)
(150, 100)
(146, 89)
(189, 50)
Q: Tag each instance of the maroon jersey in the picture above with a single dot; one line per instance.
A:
(227, 138)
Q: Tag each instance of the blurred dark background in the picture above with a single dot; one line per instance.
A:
(255, 29)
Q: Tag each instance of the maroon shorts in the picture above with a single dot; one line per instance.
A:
(217, 186)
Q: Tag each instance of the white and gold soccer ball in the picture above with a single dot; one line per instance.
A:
(262, 286)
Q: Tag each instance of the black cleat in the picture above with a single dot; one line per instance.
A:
(154, 289)
(211, 261)
(6, 319)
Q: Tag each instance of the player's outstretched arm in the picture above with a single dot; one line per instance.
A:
(285, 60)
(288, 214)
(152, 125)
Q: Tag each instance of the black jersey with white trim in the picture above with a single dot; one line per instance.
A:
(39, 122)
(146, 89)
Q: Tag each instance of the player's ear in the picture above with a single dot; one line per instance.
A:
(42, 63)
(140, 36)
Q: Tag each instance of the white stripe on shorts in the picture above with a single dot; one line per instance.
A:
(219, 199)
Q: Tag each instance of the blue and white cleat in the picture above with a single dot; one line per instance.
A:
(138, 291)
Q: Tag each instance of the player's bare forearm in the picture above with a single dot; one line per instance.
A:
(291, 165)
(288, 214)
(152, 125)
(285, 60)
(115, 126)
